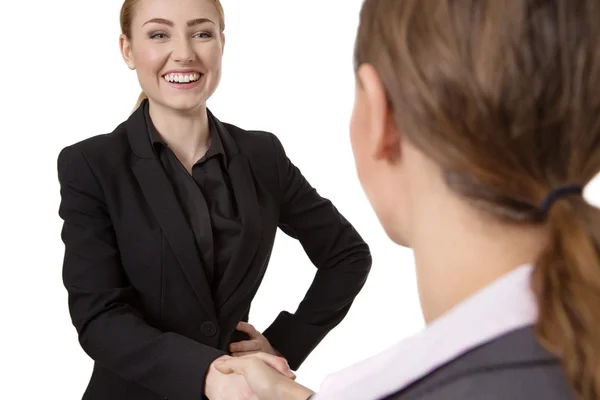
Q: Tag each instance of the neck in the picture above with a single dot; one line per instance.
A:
(186, 133)
(458, 252)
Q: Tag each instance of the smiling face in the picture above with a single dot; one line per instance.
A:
(176, 48)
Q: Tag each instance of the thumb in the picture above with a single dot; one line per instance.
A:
(231, 365)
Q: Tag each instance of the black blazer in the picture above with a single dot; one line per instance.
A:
(138, 296)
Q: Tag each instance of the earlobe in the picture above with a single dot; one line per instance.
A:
(125, 46)
(384, 134)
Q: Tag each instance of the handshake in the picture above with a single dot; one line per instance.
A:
(254, 371)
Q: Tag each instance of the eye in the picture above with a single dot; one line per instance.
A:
(157, 35)
(203, 35)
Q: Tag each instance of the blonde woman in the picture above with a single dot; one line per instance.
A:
(169, 223)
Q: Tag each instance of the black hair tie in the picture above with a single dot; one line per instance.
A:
(559, 193)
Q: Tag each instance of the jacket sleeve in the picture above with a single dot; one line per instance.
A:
(102, 303)
(342, 258)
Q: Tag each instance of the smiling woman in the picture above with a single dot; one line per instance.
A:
(151, 34)
(170, 222)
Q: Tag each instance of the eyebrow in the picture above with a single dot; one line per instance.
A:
(192, 22)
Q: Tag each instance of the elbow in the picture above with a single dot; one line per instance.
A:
(356, 263)
(365, 255)
(359, 258)
(96, 320)
(86, 337)
(355, 257)
(358, 252)
(89, 328)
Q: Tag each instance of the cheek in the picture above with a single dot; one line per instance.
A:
(370, 173)
(211, 58)
(209, 53)
(216, 54)
(358, 136)
(149, 60)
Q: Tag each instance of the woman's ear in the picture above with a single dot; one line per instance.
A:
(384, 136)
(126, 52)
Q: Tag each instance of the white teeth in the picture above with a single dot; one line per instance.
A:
(182, 78)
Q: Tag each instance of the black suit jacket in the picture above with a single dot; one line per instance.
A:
(138, 296)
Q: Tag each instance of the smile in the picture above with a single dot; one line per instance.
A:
(182, 78)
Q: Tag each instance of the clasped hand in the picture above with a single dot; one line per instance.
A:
(265, 376)
(256, 371)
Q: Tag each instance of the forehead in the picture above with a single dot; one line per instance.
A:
(177, 11)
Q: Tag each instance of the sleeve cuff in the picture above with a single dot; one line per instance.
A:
(294, 339)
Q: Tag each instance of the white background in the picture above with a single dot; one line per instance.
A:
(287, 69)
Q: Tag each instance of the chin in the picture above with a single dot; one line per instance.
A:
(187, 99)
(394, 233)
(183, 104)
(397, 238)
(402, 242)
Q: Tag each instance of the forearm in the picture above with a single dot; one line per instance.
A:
(325, 305)
(170, 365)
(342, 258)
(333, 291)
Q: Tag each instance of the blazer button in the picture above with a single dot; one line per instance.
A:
(208, 329)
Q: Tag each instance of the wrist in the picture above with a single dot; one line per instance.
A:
(290, 390)
(210, 376)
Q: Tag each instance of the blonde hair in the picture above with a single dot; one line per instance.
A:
(504, 96)
(127, 11)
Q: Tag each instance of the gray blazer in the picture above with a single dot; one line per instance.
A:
(512, 367)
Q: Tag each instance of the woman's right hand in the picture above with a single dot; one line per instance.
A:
(268, 376)
(224, 386)
(219, 386)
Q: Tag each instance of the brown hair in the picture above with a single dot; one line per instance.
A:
(127, 11)
(504, 96)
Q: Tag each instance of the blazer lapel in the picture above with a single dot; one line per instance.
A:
(159, 193)
(238, 277)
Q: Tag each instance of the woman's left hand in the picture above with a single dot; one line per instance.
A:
(261, 373)
(257, 343)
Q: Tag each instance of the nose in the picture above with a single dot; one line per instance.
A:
(182, 51)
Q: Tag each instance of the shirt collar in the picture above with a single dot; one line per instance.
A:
(216, 143)
(505, 305)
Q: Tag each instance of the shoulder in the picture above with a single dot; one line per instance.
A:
(255, 142)
(513, 366)
(107, 150)
(96, 148)
(517, 382)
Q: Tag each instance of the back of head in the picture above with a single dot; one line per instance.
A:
(504, 96)
(126, 17)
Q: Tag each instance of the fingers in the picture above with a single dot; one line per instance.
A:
(249, 353)
(245, 346)
(241, 365)
(277, 363)
(243, 353)
(248, 329)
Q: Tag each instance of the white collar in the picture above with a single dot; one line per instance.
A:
(504, 305)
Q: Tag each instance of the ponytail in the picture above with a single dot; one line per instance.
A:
(566, 281)
(139, 101)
